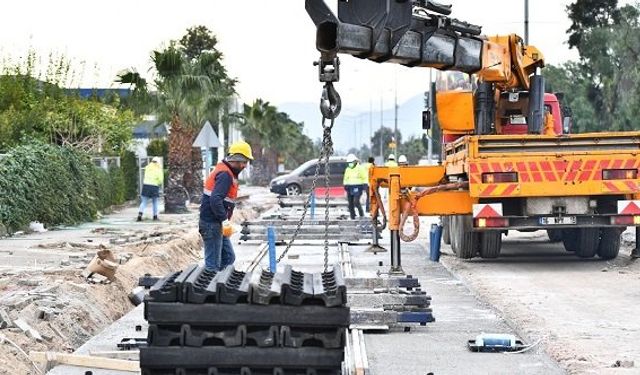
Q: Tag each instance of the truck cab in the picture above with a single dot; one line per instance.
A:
(512, 120)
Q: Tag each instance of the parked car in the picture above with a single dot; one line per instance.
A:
(300, 179)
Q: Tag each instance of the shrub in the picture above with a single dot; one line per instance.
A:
(129, 165)
(54, 185)
(118, 191)
(158, 147)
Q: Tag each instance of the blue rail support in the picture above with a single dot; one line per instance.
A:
(271, 240)
(313, 205)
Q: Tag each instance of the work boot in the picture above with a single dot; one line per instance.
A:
(155, 218)
(635, 253)
(139, 216)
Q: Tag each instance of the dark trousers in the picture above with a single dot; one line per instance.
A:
(354, 202)
(218, 251)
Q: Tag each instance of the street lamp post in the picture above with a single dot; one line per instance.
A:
(380, 134)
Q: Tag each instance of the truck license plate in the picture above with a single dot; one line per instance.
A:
(564, 220)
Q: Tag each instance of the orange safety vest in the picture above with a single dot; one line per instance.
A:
(210, 183)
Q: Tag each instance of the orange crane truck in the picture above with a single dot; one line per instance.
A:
(509, 161)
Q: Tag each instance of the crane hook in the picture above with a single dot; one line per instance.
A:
(330, 102)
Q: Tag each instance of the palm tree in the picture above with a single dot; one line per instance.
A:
(260, 129)
(207, 106)
(189, 92)
(273, 136)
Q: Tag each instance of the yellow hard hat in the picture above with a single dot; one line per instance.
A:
(242, 148)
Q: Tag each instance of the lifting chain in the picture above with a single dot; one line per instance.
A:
(330, 105)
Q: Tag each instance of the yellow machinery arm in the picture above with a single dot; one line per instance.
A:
(416, 190)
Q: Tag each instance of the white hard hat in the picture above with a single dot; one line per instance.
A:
(155, 159)
(402, 159)
(391, 157)
(351, 158)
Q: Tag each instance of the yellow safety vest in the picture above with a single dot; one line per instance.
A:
(355, 176)
(391, 163)
(153, 175)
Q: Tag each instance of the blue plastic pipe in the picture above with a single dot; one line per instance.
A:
(271, 240)
(435, 236)
(313, 206)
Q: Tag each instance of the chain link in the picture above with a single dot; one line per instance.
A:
(327, 144)
(323, 160)
(330, 105)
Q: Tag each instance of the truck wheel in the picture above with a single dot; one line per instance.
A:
(490, 244)
(609, 246)
(468, 238)
(454, 234)
(588, 241)
(555, 235)
(570, 239)
(446, 239)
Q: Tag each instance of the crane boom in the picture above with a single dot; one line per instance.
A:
(420, 33)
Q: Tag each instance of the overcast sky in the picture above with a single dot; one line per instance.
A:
(269, 45)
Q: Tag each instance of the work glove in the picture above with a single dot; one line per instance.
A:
(227, 229)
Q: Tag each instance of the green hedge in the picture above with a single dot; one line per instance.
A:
(54, 185)
(129, 165)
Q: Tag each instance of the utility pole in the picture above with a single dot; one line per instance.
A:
(355, 134)
(395, 113)
(395, 120)
(380, 135)
(526, 22)
(370, 121)
(431, 108)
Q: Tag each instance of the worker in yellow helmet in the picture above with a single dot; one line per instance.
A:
(216, 208)
(354, 177)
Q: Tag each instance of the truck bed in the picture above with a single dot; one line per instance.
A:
(568, 165)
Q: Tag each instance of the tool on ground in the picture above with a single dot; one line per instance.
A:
(147, 281)
(130, 343)
(495, 342)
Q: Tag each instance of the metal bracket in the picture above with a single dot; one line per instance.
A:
(328, 70)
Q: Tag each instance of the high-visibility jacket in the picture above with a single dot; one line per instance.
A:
(153, 174)
(355, 176)
(213, 207)
(367, 167)
(391, 163)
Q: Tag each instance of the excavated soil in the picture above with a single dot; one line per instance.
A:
(66, 309)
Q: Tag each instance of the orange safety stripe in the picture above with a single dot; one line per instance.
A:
(569, 172)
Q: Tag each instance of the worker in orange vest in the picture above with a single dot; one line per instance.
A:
(216, 208)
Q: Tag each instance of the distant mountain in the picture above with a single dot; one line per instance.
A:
(344, 134)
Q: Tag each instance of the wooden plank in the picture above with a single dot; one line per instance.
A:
(85, 361)
(357, 353)
(363, 351)
(128, 355)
